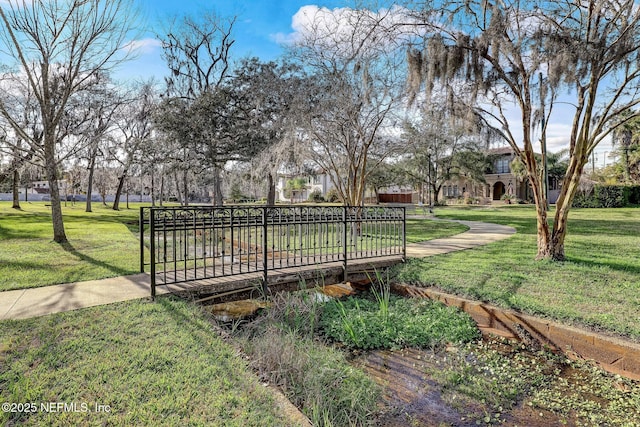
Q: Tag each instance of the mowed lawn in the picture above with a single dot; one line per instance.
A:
(598, 285)
(138, 363)
(101, 244)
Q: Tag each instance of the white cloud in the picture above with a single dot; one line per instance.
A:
(143, 46)
(346, 28)
(558, 135)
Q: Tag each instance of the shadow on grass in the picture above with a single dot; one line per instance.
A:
(617, 266)
(67, 246)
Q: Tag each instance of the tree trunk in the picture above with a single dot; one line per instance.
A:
(92, 164)
(15, 187)
(436, 192)
(162, 188)
(59, 236)
(116, 202)
(185, 188)
(271, 190)
(153, 190)
(627, 167)
(176, 180)
(217, 188)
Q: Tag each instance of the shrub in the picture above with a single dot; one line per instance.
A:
(333, 196)
(611, 196)
(607, 196)
(316, 196)
(634, 194)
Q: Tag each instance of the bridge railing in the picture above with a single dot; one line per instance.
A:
(181, 244)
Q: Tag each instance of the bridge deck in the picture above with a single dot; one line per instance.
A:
(300, 276)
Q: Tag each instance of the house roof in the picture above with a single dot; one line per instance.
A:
(501, 150)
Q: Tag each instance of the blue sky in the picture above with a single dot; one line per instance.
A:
(259, 25)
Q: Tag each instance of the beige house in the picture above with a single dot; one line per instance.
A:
(499, 181)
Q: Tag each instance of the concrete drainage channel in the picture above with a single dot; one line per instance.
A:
(409, 392)
(611, 354)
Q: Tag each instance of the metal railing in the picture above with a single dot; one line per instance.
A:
(194, 243)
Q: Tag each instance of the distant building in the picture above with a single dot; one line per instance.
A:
(499, 179)
(42, 187)
(398, 194)
(316, 181)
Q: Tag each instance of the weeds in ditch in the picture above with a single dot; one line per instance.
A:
(366, 324)
(285, 351)
(594, 396)
(381, 291)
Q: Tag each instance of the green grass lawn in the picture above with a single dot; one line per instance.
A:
(153, 364)
(100, 245)
(597, 286)
(420, 230)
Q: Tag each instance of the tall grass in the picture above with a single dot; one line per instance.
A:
(285, 351)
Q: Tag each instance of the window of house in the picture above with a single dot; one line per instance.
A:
(502, 165)
(455, 191)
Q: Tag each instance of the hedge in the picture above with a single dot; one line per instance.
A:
(609, 196)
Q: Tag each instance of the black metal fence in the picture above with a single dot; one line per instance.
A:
(195, 243)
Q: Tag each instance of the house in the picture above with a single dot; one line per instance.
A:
(42, 187)
(500, 181)
(291, 188)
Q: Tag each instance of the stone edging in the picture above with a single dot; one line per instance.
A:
(611, 354)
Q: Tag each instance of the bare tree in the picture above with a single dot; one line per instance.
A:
(351, 96)
(22, 104)
(58, 46)
(93, 118)
(497, 56)
(135, 129)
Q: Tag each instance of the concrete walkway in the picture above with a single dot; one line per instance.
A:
(479, 233)
(34, 302)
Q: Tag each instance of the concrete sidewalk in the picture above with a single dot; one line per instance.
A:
(34, 302)
(479, 233)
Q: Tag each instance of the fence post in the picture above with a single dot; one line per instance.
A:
(152, 230)
(265, 265)
(404, 234)
(344, 243)
(141, 232)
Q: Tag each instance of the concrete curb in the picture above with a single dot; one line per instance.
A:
(611, 354)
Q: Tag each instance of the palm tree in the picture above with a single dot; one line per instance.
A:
(626, 137)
